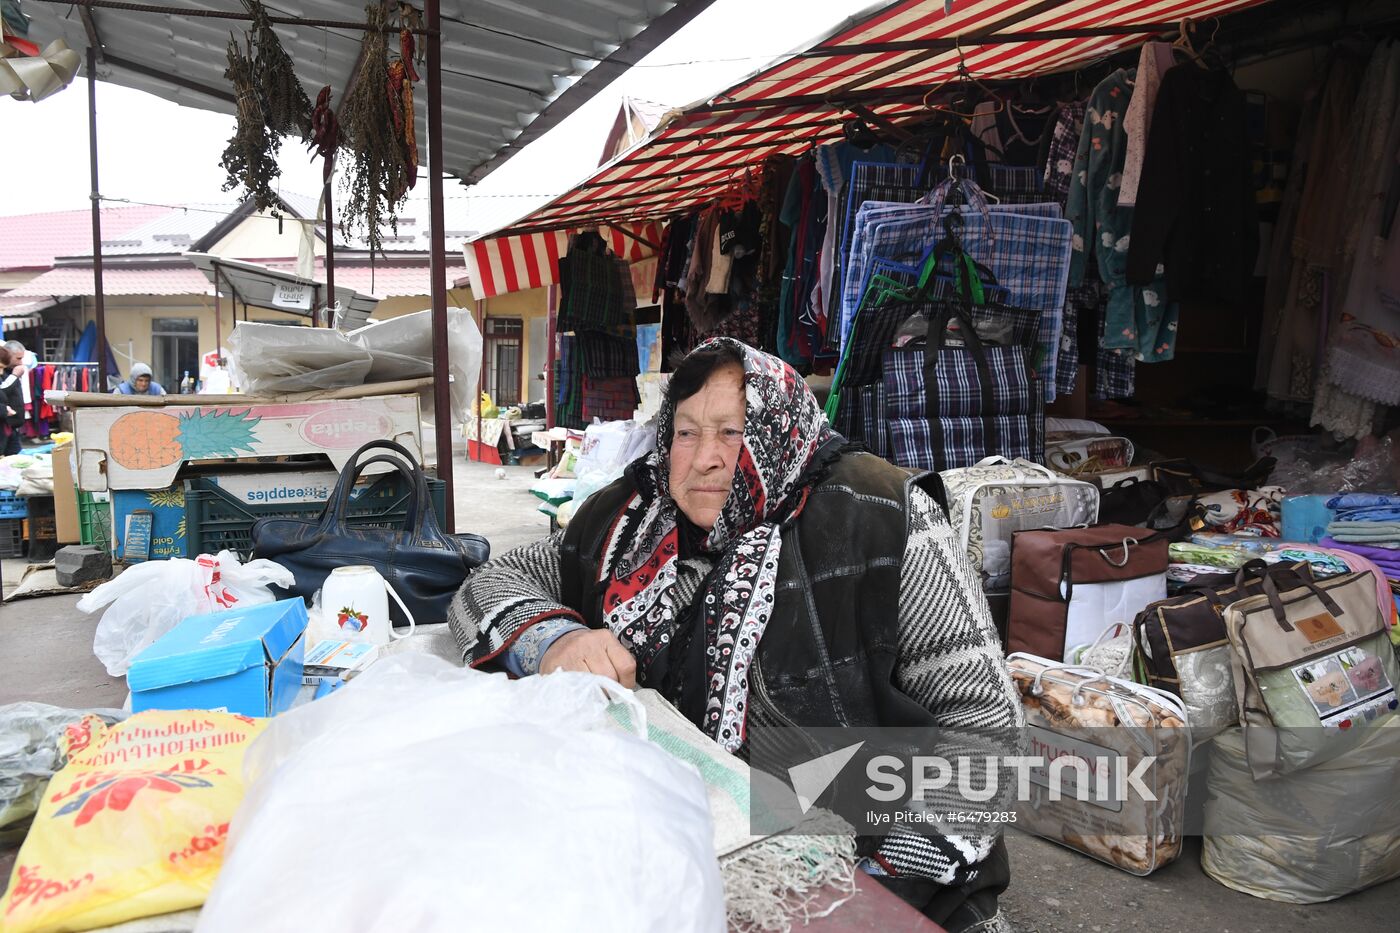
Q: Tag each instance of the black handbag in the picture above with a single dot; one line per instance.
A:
(1183, 478)
(1131, 502)
(424, 565)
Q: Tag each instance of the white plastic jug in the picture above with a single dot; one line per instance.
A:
(355, 600)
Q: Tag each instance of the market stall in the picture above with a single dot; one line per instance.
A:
(959, 222)
(1125, 285)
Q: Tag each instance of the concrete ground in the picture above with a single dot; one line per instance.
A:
(46, 655)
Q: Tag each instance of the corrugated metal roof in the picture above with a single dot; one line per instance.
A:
(511, 70)
(413, 234)
(172, 232)
(78, 280)
(393, 279)
(885, 62)
(33, 241)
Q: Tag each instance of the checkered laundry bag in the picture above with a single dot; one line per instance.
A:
(948, 407)
(861, 418)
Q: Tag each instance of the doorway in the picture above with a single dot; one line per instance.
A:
(174, 350)
(504, 342)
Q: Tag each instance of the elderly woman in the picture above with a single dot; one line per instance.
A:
(862, 609)
(139, 382)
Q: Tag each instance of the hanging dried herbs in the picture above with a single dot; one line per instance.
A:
(271, 104)
(251, 155)
(376, 127)
(286, 108)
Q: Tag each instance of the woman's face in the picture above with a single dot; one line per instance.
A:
(708, 435)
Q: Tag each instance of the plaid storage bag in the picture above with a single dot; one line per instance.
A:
(951, 406)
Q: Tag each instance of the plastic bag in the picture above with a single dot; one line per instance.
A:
(1315, 470)
(1310, 836)
(134, 825)
(421, 790)
(151, 598)
(37, 478)
(607, 449)
(29, 756)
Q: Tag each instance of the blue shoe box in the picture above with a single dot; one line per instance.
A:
(246, 661)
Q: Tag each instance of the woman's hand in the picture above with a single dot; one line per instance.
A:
(596, 651)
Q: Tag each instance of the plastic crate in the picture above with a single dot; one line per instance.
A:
(43, 536)
(216, 521)
(12, 506)
(11, 537)
(95, 519)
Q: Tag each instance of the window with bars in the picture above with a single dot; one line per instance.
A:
(504, 346)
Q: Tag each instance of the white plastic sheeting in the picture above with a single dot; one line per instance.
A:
(269, 359)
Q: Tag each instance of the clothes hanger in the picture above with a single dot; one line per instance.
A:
(959, 182)
(879, 128)
(744, 190)
(1186, 46)
(967, 82)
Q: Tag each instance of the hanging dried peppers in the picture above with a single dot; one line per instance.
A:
(325, 130)
(271, 104)
(377, 123)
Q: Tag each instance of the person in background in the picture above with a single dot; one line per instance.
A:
(757, 569)
(11, 403)
(139, 382)
(22, 361)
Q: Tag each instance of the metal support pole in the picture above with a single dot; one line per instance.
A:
(480, 371)
(327, 171)
(218, 317)
(551, 353)
(442, 402)
(96, 221)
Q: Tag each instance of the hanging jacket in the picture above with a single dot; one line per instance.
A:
(1195, 203)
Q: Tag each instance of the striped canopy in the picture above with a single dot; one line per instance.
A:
(882, 65)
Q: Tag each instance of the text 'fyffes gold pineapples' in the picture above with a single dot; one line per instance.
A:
(149, 440)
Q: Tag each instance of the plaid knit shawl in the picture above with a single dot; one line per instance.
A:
(783, 430)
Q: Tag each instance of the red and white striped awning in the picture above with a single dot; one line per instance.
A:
(502, 264)
(885, 63)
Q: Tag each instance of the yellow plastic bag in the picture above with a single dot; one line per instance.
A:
(134, 825)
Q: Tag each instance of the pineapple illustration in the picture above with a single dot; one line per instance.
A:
(166, 498)
(149, 440)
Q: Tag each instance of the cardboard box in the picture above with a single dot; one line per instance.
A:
(131, 447)
(259, 486)
(246, 661)
(337, 660)
(65, 496)
(167, 507)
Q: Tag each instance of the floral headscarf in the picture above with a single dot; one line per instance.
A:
(784, 430)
